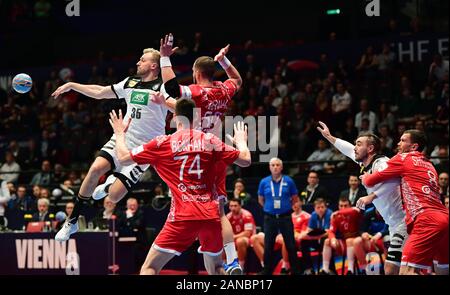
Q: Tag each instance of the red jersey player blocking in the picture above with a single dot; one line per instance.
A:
(243, 226)
(213, 98)
(346, 222)
(186, 161)
(426, 216)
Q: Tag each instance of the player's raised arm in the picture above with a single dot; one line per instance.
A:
(167, 74)
(231, 71)
(94, 91)
(120, 129)
(343, 146)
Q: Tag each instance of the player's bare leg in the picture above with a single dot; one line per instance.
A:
(242, 244)
(213, 264)
(409, 270)
(258, 247)
(360, 247)
(97, 169)
(350, 255)
(390, 269)
(326, 257)
(117, 191)
(155, 261)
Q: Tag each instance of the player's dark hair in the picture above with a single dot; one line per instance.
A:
(344, 199)
(418, 137)
(206, 65)
(372, 139)
(235, 200)
(185, 108)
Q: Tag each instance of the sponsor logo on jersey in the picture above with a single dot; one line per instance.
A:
(132, 83)
(138, 97)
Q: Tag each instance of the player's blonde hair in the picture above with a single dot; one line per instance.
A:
(155, 54)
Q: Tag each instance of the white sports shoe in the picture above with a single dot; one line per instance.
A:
(100, 191)
(66, 230)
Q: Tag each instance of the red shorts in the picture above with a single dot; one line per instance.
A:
(428, 241)
(220, 181)
(177, 236)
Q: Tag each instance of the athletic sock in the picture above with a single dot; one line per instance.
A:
(80, 203)
(230, 252)
(351, 259)
(326, 259)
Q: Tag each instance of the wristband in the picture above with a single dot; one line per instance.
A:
(165, 61)
(225, 63)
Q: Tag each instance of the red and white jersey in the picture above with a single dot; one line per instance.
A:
(242, 221)
(345, 221)
(300, 221)
(419, 183)
(185, 161)
(213, 102)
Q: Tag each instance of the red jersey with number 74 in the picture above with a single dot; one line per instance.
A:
(185, 161)
(213, 102)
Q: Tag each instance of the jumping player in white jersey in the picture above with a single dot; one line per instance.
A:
(146, 120)
(213, 99)
(385, 196)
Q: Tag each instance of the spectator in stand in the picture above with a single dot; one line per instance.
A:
(408, 106)
(102, 218)
(368, 64)
(354, 191)
(315, 234)
(335, 167)
(384, 135)
(322, 109)
(443, 185)
(438, 69)
(443, 164)
(386, 60)
(386, 117)
(350, 132)
(23, 202)
(243, 226)
(36, 192)
(43, 214)
(45, 177)
(366, 113)
(297, 130)
(313, 189)
(10, 170)
(4, 199)
(322, 153)
(341, 105)
(239, 192)
(30, 158)
(45, 193)
(132, 221)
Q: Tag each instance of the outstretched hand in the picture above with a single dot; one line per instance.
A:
(222, 53)
(324, 130)
(117, 123)
(62, 89)
(166, 46)
(240, 133)
(158, 98)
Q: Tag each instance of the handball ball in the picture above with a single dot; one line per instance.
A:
(22, 83)
(60, 216)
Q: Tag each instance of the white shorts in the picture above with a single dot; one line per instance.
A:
(129, 175)
(397, 239)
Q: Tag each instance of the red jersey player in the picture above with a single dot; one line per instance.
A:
(185, 160)
(346, 222)
(243, 226)
(426, 216)
(213, 99)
